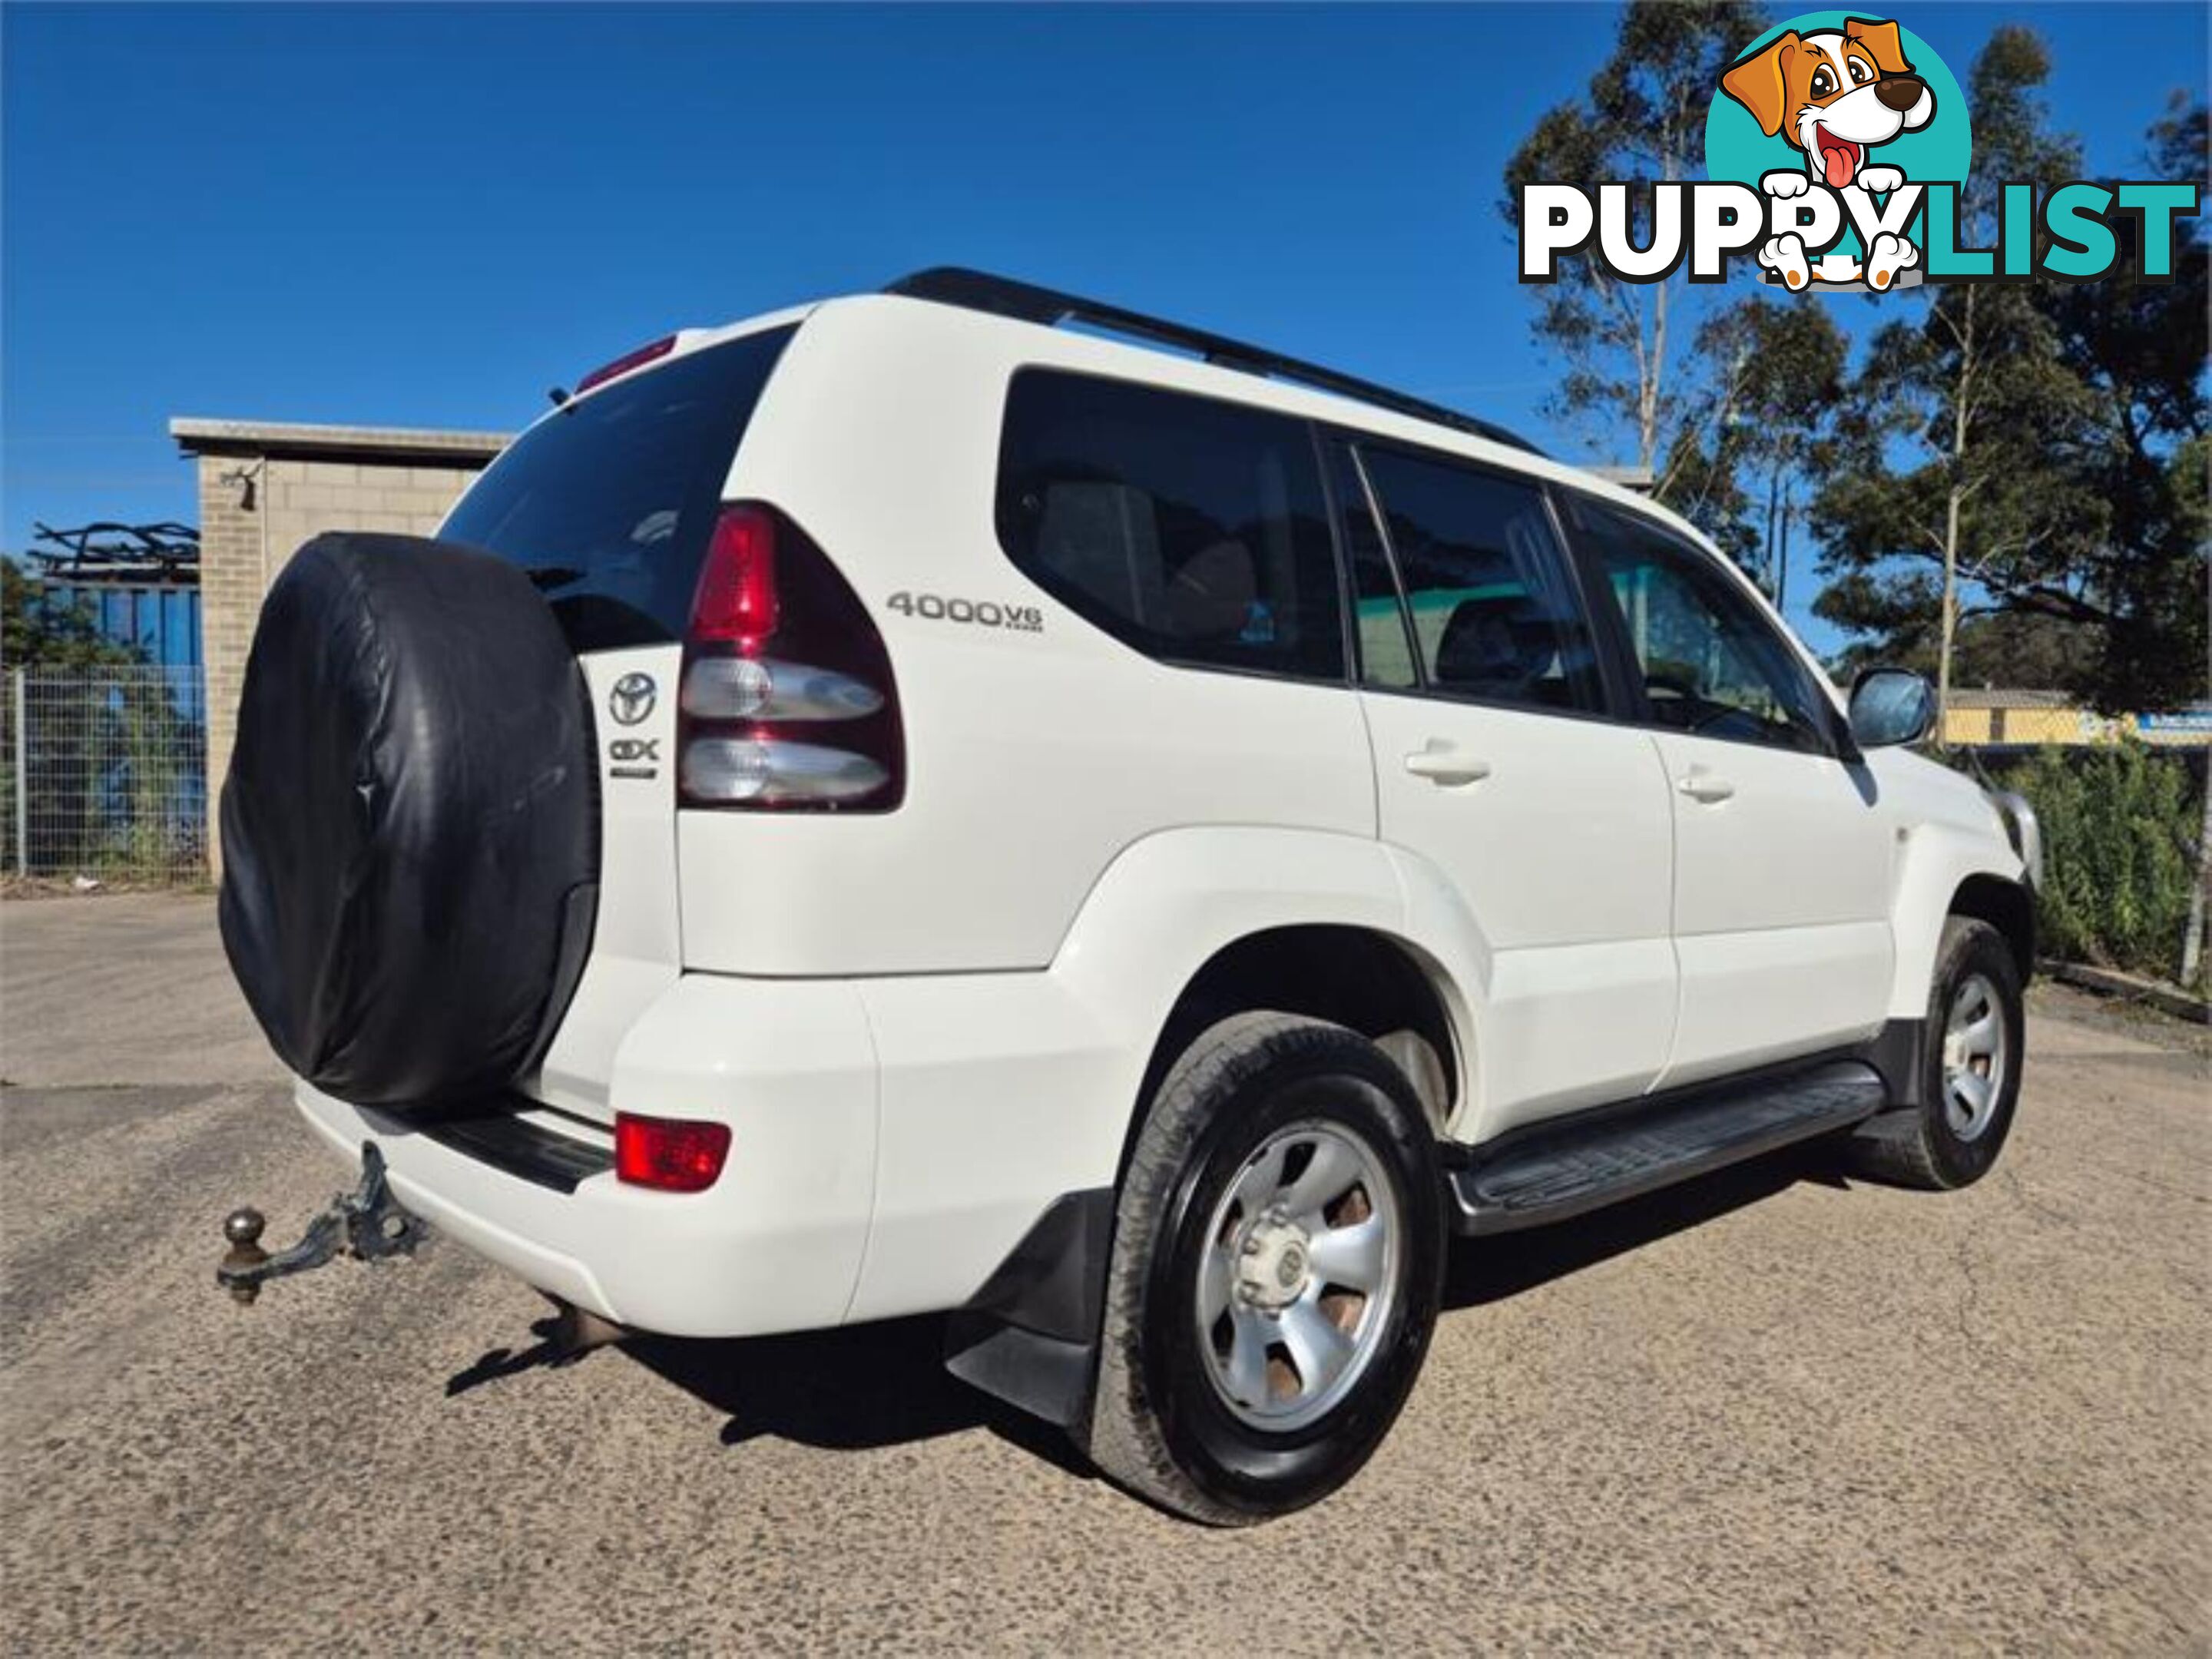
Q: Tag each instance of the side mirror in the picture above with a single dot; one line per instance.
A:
(1890, 706)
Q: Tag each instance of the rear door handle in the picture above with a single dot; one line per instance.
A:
(1446, 766)
(1707, 786)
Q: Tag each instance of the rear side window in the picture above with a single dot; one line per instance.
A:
(1494, 613)
(1194, 530)
(609, 503)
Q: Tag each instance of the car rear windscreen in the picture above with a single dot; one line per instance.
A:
(610, 503)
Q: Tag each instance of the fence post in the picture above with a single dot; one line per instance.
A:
(2192, 937)
(22, 782)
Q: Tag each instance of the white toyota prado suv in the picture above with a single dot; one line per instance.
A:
(898, 806)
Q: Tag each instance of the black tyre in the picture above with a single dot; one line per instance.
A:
(1971, 1078)
(411, 826)
(1278, 1257)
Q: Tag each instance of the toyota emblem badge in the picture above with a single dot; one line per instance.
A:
(632, 699)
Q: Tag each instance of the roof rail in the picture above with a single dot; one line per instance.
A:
(977, 290)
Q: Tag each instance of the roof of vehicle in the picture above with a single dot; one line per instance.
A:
(1206, 364)
(1173, 353)
(1003, 296)
(1027, 303)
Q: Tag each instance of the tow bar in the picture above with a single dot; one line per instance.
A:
(367, 1224)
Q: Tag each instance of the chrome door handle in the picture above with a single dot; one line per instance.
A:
(1446, 766)
(1706, 786)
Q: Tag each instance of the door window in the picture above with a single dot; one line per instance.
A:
(1385, 641)
(1712, 663)
(1192, 530)
(1493, 610)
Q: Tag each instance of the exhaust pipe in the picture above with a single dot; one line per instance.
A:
(577, 1331)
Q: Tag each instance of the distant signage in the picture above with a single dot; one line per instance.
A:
(2188, 722)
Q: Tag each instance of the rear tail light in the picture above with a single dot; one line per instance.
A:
(761, 688)
(788, 701)
(668, 1155)
(731, 771)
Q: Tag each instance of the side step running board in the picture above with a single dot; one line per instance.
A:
(1564, 1169)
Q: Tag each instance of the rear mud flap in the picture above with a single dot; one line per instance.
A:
(1030, 1337)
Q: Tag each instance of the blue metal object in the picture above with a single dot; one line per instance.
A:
(159, 620)
(138, 584)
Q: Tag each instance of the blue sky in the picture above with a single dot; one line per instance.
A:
(425, 215)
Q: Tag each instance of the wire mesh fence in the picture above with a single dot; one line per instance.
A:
(103, 774)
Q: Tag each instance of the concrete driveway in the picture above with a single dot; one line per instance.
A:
(1770, 1412)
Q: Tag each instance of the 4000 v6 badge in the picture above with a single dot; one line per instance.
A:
(988, 613)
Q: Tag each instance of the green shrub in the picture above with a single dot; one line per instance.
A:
(2120, 825)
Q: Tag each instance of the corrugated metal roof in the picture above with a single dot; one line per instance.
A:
(1968, 697)
(196, 436)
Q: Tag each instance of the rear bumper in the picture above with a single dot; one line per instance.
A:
(891, 1140)
(774, 1245)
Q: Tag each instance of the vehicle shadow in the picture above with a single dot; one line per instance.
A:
(884, 1384)
(498, 1362)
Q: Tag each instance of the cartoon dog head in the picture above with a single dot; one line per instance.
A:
(1836, 92)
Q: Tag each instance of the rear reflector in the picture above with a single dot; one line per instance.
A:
(627, 361)
(669, 1155)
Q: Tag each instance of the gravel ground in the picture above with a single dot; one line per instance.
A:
(1770, 1412)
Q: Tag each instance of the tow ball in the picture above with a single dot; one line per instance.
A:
(367, 1224)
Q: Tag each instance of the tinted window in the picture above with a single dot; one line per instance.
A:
(1192, 530)
(610, 502)
(1386, 647)
(1712, 663)
(1494, 609)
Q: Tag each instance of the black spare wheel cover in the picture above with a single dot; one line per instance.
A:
(410, 828)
